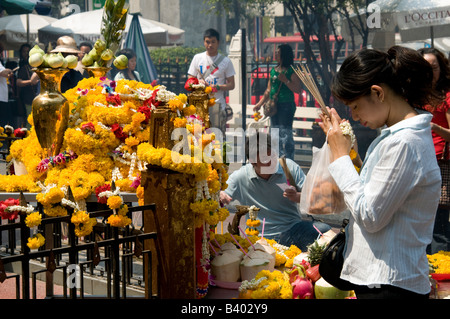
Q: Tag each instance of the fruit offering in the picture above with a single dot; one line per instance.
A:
(39, 59)
(113, 25)
(100, 56)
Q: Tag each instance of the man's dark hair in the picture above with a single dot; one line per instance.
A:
(211, 33)
(86, 44)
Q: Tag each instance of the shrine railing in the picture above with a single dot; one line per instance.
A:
(108, 250)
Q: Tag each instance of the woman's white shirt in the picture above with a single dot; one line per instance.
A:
(393, 204)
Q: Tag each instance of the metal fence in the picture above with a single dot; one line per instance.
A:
(172, 74)
(108, 252)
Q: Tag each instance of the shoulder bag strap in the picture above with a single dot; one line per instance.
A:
(278, 91)
(213, 66)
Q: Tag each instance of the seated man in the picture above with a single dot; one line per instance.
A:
(257, 183)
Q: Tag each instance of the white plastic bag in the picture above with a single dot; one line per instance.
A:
(320, 193)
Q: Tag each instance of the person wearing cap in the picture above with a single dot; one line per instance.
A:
(66, 45)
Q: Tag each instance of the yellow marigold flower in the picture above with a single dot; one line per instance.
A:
(118, 220)
(175, 104)
(131, 141)
(207, 138)
(84, 229)
(208, 89)
(253, 223)
(123, 210)
(251, 232)
(211, 102)
(36, 241)
(179, 122)
(80, 217)
(183, 98)
(55, 210)
(189, 110)
(289, 263)
(140, 195)
(440, 262)
(137, 118)
(33, 219)
(53, 196)
(114, 202)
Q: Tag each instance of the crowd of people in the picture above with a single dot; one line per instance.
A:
(393, 198)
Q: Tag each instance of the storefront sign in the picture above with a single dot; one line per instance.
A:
(420, 18)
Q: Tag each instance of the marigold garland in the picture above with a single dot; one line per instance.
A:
(268, 285)
(440, 262)
(34, 219)
(84, 225)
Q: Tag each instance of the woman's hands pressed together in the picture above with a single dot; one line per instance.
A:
(339, 143)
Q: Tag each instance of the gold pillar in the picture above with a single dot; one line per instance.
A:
(200, 100)
(174, 249)
(161, 127)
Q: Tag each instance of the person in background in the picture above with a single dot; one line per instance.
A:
(66, 45)
(84, 48)
(441, 137)
(27, 84)
(283, 75)
(129, 73)
(5, 74)
(392, 210)
(217, 71)
(258, 183)
(12, 89)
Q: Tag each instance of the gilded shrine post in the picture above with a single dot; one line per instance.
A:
(173, 251)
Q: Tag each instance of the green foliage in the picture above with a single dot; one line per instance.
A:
(183, 55)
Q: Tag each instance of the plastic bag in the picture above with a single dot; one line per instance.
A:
(320, 193)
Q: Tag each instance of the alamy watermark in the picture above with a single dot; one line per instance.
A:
(374, 18)
(74, 278)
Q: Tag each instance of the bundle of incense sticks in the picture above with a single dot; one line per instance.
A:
(305, 76)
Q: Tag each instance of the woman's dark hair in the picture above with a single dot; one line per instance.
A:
(129, 53)
(286, 55)
(443, 83)
(22, 60)
(404, 70)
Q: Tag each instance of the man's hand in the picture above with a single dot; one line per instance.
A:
(292, 194)
(225, 199)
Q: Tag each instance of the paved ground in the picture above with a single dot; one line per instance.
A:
(8, 289)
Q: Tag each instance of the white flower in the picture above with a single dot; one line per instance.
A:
(348, 130)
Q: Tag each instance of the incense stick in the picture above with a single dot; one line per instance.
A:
(212, 247)
(246, 237)
(305, 76)
(240, 246)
